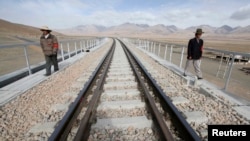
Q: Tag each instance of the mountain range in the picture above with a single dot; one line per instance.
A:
(127, 29)
(144, 29)
(224, 37)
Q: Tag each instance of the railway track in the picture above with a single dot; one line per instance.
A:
(121, 101)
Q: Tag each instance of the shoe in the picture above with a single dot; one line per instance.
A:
(47, 74)
(184, 75)
(56, 70)
(200, 78)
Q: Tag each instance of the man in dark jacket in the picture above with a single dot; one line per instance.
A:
(49, 46)
(194, 53)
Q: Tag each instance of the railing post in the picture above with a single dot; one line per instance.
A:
(143, 47)
(182, 53)
(170, 56)
(87, 44)
(81, 45)
(166, 50)
(154, 48)
(75, 48)
(229, 73)
(151, 48)
(27, 59)
(84, 45)
(148, 46)
(159, 49)
(62, 53)
(68, 50)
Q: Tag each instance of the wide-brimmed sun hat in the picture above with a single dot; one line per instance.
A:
(45, 28)
(199, 31)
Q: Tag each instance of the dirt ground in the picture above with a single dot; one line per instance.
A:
(236, 44)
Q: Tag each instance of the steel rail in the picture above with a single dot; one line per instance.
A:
(165, 132)
(83, 130)
(183, 127)
(63, 128)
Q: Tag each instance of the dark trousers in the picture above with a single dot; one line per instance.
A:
(52, 59)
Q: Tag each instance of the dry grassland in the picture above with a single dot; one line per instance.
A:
(13, 58)
(229, 44)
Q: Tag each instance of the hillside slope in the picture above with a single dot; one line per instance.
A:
(18, 33)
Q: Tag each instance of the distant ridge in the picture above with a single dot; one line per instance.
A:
(9, 28)
(160, 29)
(12, 33)
(126, 29)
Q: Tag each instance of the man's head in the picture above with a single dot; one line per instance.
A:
(45, 30)
(198, 32)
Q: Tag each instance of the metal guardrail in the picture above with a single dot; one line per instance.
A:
(234, 55)
(67, 49)
(174, 53)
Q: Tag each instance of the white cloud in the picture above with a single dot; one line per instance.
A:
(66, 14)
(242, 14)
(37, 13)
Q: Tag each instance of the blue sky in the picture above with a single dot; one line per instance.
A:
(59, 14)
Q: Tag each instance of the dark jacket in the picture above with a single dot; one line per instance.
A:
(195, 49)
(49, 45)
